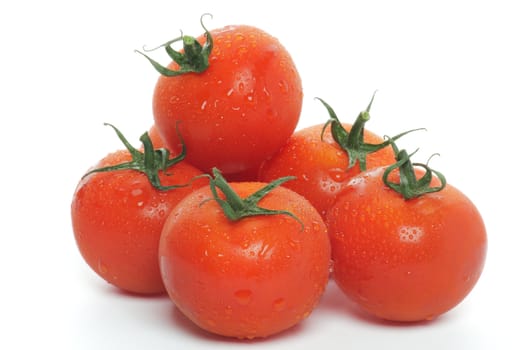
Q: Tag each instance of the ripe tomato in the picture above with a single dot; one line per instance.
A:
(320, 164)
(157, 141)
(405, 259)
(238, 111)
(117, 218)
(248, 278)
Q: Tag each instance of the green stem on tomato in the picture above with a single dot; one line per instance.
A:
(236, 208)
(194, 58)
(352, 142)
(150, 162)
(409, 186)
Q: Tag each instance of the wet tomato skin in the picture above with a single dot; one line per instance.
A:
(250, 278)
(117, 218)
(238, 111)
(405, 260)
(319, 165)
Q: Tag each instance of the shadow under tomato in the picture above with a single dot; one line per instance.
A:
(112, 290)
(335, 301)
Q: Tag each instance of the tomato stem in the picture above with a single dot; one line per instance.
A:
(149, 162)
(352, 142)
(409, 186)
(236, 208)
(194, 58)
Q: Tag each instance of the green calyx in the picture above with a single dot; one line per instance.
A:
(149, 162)
(236, 208)
(409, 186)
(352, 142)
(194, 58)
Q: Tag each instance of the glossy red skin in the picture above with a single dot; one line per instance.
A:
(237, 112)
(250, 278)
(320, 166)
(117, 219)
(407, 260)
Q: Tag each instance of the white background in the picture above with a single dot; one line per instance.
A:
(457, 68)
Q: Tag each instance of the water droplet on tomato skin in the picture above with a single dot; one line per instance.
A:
(228, 310)
(279, 304)
(210, 323)
(243, 296)
(101, 267)
(284, 88)
(136, 192)
(430, 317)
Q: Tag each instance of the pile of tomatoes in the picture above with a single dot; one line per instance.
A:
(242, 219)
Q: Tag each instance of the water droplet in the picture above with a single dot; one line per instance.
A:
(265, 250)
(410, 234)
(103, 269)
(279, 304)
(430, 317)
(242, 50)
(136, 192)
(228, 310)
(337, 174)
(203, 105)
(293, 244)
(243, 296)
(282, 85)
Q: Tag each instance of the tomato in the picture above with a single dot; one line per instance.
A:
(117, 218)
(248, 278)
(405, 259)
(238, 111)
(321, 164)
(157, 141)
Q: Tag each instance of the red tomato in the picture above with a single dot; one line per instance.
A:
(238, 111)
(117, 218)
(248, 278)
(320, 166)
(405, 259)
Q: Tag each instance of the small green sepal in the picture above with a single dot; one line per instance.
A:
(148, 162)
(352, 142)
(193, 59)
(409, 186)
(236, 208)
